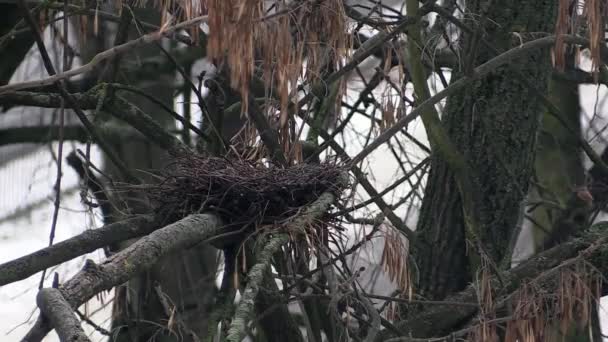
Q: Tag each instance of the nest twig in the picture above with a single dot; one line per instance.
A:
(240, 192)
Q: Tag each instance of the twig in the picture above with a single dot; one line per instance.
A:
(102, 56)
(68, 98)
(405, 177)
(421, 301)
(57, 185)
(478, 73)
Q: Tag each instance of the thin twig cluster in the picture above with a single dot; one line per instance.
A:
(240, 191)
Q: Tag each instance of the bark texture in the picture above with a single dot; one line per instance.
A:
(494, 123)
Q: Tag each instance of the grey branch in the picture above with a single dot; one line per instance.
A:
(61, 316)
(254, 281)
(119, 268)
(119, 108)
(87, 242)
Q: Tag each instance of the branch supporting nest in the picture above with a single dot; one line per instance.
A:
(255, 277)
(119, 268)
(256, 274)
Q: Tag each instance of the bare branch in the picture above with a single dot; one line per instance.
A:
(61, 316)
(122, 266)
(87, 242)
(478, 73)
(102, 56)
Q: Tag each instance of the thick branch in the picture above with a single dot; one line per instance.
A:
(61, 316)
(85, 101)
(87, 242)
(119, 108)
(442, 319)
(121, 267)
(145, 124)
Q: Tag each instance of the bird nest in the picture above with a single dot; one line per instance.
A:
(238, 191)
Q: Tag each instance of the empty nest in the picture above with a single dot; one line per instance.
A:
(238, 191)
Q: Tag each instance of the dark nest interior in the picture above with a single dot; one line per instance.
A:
(240, 192)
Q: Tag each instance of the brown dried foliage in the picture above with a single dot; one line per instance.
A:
(594, 12)
(246, 34)
(538, 311)
(395, 260)
(562, 26)
(486, 329)
(568, 22)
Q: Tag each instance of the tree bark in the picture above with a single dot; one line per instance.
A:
(494, 124)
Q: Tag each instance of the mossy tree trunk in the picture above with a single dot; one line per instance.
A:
(494, 124)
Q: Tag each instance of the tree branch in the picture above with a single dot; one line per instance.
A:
(255, 276)
(61, 316)
(119, 108)
(102, 56)
(41, 134)
(441, 319)
(88, 241)
(126, 264)
(477, 73)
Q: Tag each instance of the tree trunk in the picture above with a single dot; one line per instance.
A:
(494, 124)
(558, 209)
